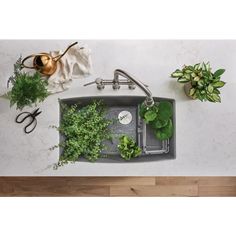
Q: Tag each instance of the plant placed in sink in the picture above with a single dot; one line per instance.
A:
(159, 117)
(84, 130)
(128, 148)
(200, 82)
(27, 89)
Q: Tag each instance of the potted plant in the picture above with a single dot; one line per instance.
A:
(199, 81)
(128, 148)
(159, 117)
(27, 89)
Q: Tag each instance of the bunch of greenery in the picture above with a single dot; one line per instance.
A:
(204, 85)
(27, 89)
(84, 129)
(159, 117)
(128, 148)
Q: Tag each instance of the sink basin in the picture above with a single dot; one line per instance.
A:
(133, 126)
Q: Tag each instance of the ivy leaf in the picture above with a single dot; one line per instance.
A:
(165, 132)
(219, 72)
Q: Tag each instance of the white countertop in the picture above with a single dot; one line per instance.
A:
(205, 132)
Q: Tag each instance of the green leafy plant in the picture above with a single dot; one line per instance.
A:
(159, 117)
(27, 89)
(84, 130)
(201, 84)
(128, 148)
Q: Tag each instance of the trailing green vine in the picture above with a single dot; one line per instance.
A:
(84, 130)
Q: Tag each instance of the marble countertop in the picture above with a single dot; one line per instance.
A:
(205, 132)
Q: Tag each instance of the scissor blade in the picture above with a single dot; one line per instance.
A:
(36, 112)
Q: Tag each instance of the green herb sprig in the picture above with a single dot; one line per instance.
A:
(204, 85)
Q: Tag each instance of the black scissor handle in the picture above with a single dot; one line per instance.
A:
(23, 118)
(34, 121)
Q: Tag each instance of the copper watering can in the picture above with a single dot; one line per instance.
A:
(44, 63)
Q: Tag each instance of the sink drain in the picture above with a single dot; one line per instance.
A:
(125, 117)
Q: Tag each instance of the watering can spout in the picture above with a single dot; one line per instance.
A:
(57, 58)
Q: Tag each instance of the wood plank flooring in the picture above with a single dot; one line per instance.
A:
(118, 186)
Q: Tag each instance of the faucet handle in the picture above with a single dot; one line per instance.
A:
(115, 85)
(99, 82)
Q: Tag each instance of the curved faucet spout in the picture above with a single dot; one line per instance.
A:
(118, 72)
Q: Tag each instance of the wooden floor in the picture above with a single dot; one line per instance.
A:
(118, 186)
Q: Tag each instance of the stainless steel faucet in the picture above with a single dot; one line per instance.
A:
(118, 72)
(131, 82)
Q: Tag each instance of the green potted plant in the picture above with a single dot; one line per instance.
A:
(159, 117)
(128, 148)
(200, 82)
(26, 89)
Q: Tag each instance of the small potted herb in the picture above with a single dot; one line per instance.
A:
(27, 89)
(159, 117)
(200, 82)
(128, 148)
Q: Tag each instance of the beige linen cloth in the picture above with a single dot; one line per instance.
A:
(75, 64)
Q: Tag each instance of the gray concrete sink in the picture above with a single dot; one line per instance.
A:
(132, 125)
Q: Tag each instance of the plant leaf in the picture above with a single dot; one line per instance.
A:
(192, 91)
(142, 110)
(183, 80)
(158, 123)
(165, 132)
(216, 97)
(218, 84)
(210, 88)
(165, 110)
(197, 78)
(150, 116)
(219, 72)
(177, 74)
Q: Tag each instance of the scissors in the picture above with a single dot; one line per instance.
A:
(32, 124)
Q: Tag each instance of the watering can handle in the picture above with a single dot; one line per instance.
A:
(33, 55)
(58, 57)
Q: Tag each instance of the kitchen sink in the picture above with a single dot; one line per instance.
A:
(132, 125)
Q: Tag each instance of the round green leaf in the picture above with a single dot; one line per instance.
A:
(157, 124)
(165, 110)
(150, 115)
(165, 132)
